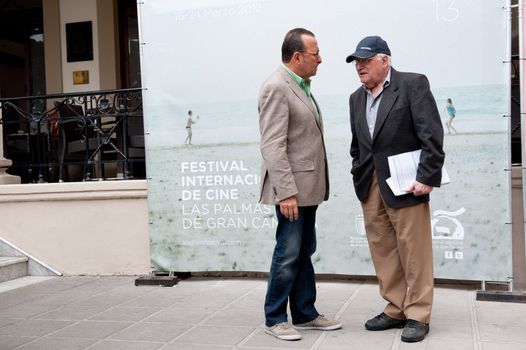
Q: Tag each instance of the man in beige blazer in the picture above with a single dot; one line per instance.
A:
(294, 179)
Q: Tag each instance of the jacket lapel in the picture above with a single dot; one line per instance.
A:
(319, 120)
(361, 119)
(298, 92)
(389, 96)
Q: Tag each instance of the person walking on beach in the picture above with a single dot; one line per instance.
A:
(189, 122)
(294, 177)
(451, 111)
(393, 113)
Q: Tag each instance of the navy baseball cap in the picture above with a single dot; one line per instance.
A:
(368, 47)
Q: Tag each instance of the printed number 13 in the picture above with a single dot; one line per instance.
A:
(452, 11)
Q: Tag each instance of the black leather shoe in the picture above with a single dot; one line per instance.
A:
(383, 322)
(414, 331)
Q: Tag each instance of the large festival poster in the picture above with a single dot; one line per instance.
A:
(203, 62)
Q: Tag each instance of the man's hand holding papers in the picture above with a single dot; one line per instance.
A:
(403, 168)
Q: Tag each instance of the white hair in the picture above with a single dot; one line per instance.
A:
(382, 55)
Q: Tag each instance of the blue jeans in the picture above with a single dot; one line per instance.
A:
(291, 272)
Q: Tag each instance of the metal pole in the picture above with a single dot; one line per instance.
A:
(519, 262)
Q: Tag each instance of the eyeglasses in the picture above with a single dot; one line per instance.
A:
(315, 54)
(363, 61)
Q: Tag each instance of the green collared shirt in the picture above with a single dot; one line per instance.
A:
(305, 87)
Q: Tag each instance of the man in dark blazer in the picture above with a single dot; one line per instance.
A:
(393, 113)
(294, 178)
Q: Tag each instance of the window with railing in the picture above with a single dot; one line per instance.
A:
(75, 137)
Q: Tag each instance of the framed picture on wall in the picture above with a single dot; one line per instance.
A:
(79, 41)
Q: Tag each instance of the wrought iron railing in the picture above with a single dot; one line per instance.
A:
(75, 136)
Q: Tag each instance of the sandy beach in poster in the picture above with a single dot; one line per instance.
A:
(473, 208)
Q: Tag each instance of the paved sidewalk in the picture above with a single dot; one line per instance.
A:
(211, 314)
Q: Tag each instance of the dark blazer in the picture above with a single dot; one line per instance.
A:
(407, 120)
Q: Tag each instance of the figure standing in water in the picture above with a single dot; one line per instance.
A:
(451, 111)
(189, 122)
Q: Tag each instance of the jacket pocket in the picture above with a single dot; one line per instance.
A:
(400, 111)
(301, 165)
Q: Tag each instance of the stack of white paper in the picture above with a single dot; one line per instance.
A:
(403, 169)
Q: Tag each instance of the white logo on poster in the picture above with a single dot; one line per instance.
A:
(458, 255)
(360, 225)
(445, 225)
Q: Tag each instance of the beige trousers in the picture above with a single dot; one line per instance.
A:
(401, 249)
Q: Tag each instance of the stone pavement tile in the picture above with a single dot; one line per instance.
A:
(60, 284)
(452, 304)
(215, 335)
(152, 300)
(124, 345)
(185, 346)
(245, 284)
(222, 292)
(263, 340)
(367, 301)
(132, 290)
(103, 300)
(194, 284)
(25, 294)
(33, 328)
(70, 312)
(175, 292)
(488, 311)
(19, 283)
(344, 339)
(151, 331)
(503, 345)
(58, 344)
(454, 313)
(181, 315)
(25, 310)
(91, 329)
(106, 283)
(264, 348)
(336, 290)
(62, 298)
(198, 301)
(326, 305)
(501, 322)
(6, 321)
(253, 301)
(438, 344)
(499, 331)
(126, 314)
(8, 301)
(236, 317)
(450, 329)
(8, 342)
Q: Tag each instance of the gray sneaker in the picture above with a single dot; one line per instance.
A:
(283, 331)
(320, 323)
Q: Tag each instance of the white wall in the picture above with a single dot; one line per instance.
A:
(94, 228)
(72, 11)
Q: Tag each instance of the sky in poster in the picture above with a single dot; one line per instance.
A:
(235, 44)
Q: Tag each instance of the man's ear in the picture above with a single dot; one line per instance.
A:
(296, 57)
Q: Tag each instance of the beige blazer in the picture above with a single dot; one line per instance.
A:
(294, 158)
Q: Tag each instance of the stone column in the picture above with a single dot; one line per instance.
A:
(5, 178)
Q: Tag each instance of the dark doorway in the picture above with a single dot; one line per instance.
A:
(22, 65)
(129, 44)
(22, 73)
